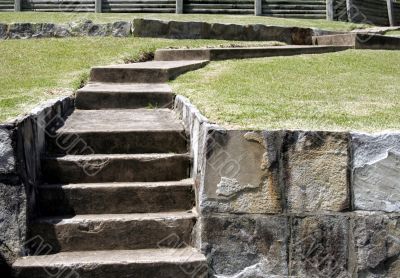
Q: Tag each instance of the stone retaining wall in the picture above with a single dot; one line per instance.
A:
(162, 29)
(21, 146)
(295, 203)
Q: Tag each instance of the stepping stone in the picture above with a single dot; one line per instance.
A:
(123, 131)
(160, 263)
(127, 96)
(115, 231)
(148, 72)
(213, 54)
(98, 198)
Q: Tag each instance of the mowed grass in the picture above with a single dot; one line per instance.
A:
(393, 33)
(32, 71)
(54, 17)
(351, 90)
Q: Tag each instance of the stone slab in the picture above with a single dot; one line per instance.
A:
(245, 246)
(316, 171)
(376, 245)
(7, 153)
(241, 52)
(360, 41)
(115, 231)
(97, 198)
(319, 246)
(241, 172)
(115, 168)
(376, 177)
(177, 263)
(147, 72)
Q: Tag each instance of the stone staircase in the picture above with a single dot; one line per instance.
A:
(117, 200)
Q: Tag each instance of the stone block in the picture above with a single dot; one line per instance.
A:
(259, 32)
(3, 31)
(241, 172)
(149, 28)
(376, 245)
(319, 246)
(316, 171)
(228, 31)
(302, 36)
(188, 30)
(7, 153)
(20, 30)
(376, 176)
(121, 29)
(12, 219)
(245, 246)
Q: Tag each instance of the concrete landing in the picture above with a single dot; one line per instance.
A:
(148, 72)
(161, 263)
(241, 52)
(124, 96)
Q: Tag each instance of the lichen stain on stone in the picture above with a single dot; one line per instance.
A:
(228, 187)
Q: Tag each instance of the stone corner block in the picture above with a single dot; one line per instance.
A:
(316, 171)
(376, 174)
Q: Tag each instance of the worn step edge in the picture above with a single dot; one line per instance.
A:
(163, 262)
(115, 168)
(116, 231)
(97, 198)
(142, 73)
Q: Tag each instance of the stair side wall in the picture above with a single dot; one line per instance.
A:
(22, 143)
(295, 203)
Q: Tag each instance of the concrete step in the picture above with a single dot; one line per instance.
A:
(360, 41)
(98, 198)
(124, 131)
(126, 96)
(115, 168)
(148, 72)
(116, 231)
(242, 53)
(160, 263)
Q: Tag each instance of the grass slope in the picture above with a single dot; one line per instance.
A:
(351, 90)
(32, 71)
(54, 17)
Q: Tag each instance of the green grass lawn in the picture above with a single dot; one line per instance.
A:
(54, 17)
(32, 71)
(393, 33)
(351, 90)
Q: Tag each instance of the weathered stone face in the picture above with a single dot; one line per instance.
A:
(376, 245)
(121, 29)
(245, 246)
(316, 171)
(241, 172)
(319, 246)
(188, 30)
(12, 222)
(7, 155)
(376, 175)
